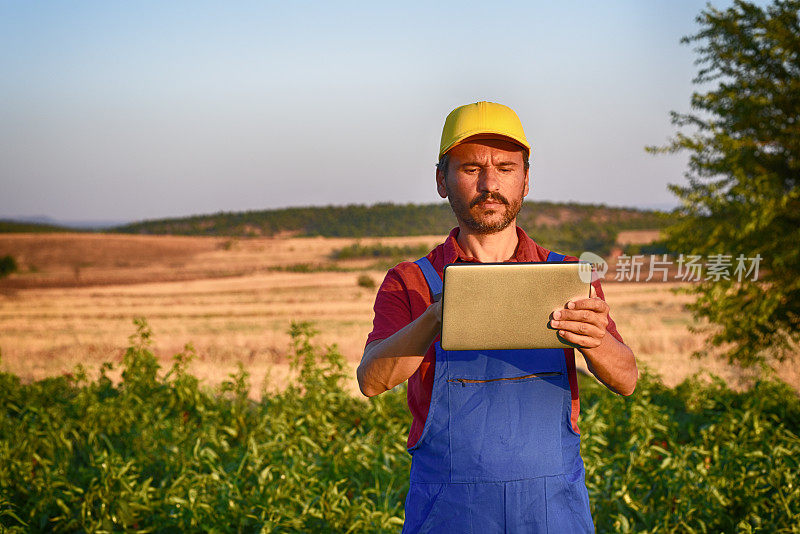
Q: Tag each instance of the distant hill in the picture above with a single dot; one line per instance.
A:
(64, 225)
(566, 226)
(8, 227)
(385, 220)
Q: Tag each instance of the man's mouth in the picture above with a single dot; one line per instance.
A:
(486, 200)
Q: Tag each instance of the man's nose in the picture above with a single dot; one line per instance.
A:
(489, 180)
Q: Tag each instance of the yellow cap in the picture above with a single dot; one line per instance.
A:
(481, 118)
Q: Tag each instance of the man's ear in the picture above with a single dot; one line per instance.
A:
(441, 186)
(526, 189)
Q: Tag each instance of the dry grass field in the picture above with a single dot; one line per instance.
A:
(76, 295)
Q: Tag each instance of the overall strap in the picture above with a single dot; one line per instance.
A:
(431, 276)
(555, 256)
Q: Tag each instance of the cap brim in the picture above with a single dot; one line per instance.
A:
(483, 134)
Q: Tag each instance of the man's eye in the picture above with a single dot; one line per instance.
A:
(471, 170)
(505, 169)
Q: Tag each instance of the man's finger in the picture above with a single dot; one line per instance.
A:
(578, 327)
(583, 316)
(578, 340)
(597, 304)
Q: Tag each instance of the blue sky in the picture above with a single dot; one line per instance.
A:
(126, 111)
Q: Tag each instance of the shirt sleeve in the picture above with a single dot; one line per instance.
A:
(612, 326)
(392, 307)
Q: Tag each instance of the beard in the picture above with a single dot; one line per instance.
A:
(481, 222)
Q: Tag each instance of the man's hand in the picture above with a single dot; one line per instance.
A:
(583, 322)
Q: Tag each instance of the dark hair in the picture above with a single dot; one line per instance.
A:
(444, 161)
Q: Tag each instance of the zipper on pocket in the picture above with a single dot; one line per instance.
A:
(465, 381)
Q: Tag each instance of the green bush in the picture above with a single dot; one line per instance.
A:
(8, 265)
(307, 268)
(161, 453)
(157, 452)
(379, 250)
(697, 458)
(365, 281)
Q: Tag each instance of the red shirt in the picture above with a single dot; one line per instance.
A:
(404, 295)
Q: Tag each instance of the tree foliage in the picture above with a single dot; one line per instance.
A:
(742, 197)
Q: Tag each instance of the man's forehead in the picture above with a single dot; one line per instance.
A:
(483, 147)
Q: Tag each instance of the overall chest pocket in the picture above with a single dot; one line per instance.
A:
(506, 428)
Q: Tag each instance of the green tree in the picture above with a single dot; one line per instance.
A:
(742, 197)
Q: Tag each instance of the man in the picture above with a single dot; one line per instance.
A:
(502, 454)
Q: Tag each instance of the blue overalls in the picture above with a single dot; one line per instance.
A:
(498, 453)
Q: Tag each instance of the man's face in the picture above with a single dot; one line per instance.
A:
(485, 183)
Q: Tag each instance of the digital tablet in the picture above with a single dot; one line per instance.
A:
(489, 306)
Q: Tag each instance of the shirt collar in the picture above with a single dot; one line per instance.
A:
(527, 249)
